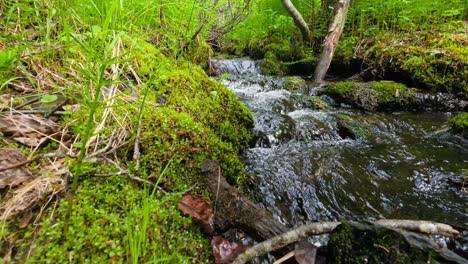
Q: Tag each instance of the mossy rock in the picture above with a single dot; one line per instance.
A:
(351, 128)
(105, 220)
(317, 103)
(294, 83)
(199, 119)
(372, 96)
(283, 51)
(271, 65)
(361, 243)
(459, 124)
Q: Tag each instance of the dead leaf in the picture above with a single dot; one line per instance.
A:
(29, 130)
(25, 219)
(197, 208)
(305, 252)
(225, 251)
(14, 176)
(38, 191)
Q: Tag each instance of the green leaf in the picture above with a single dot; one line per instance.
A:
(49, 98)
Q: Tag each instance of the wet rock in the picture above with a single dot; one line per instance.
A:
(350, 128)
(459, 124)
(362, 243)
(295, 83)
(439, 102)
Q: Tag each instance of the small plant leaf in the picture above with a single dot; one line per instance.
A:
(49, 98)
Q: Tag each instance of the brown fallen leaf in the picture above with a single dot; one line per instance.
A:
(305, 252)
(29, 130)
(225, 251)
(15, 176)
(197, 208)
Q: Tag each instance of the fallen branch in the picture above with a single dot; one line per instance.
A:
(312, 229)
(285, 239)
(427, 227)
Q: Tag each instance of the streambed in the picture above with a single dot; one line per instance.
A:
(345, 164)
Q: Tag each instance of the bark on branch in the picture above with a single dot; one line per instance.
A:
(305, 231)
(298, 20)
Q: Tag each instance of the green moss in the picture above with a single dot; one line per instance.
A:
(281, 49)
(351, 128)
(374, 95)
(199, 53)
(435, 60)
(271, 65)
(342, 89)
(392, 93)
(459, 124)
(105, 218)
(294, 83)
(199, 119)
(317, 103)
(148, 59)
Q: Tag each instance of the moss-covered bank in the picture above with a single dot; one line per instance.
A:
(436, 60)
(185, 117)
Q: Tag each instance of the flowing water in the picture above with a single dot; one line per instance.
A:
(346, 164)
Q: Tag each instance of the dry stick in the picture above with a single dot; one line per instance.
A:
(57, 107)
(285, 239)
(105, 149)
(32, 101)
(136, 149)
(312, 229)
(41, 156)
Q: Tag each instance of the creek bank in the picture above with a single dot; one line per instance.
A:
(182, 117)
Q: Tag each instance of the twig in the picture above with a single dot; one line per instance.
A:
(105, 149)
(285, 239)
(57, 107)
(32, 101)
(285, 257)
(41, 156)
(136, 150)
(127, 174)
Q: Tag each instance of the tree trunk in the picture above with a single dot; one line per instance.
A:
(298, 20)
(331, 40)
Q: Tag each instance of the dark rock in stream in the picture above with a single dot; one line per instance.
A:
(362, 243)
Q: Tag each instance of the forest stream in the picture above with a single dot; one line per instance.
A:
(345, 164)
